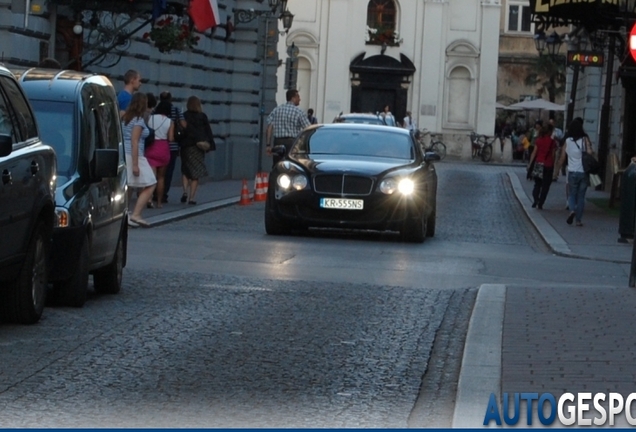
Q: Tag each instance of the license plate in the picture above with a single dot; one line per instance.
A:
(342, 203)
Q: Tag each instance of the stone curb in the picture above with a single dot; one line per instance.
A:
(480, 373)
(556, 243)
(552, 238)
(190, 211)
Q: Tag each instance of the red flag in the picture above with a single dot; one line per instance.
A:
(204, 14)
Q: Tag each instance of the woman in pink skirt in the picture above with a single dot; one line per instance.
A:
(158, 154)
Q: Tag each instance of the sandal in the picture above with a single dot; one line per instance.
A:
(184, 198)
(140, 222)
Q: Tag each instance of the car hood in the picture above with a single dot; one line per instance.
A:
(363, 165)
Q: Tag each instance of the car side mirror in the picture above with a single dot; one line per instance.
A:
(6, 145)
(431, 157)
(279, 150)
(106, 163)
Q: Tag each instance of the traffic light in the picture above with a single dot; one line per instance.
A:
(632, 42)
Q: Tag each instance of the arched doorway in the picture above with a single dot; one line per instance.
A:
(381, 80)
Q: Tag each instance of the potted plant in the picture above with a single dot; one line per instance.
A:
(169, 35)
(382, 35)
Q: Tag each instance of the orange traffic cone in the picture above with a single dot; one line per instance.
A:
(265, 184)
(259, 190)
(245, 194)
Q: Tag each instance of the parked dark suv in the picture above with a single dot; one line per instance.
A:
(27, 203)
(78, 116)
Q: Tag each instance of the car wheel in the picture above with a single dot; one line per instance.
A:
(26, 297)
(430, 223)
(73, 291)
(272, 225)
(414, 231)
(107, 280)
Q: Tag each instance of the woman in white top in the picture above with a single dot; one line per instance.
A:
(159, 153)
(576, 143)
(140, 174)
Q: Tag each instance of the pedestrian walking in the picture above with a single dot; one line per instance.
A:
(409, 123)
(158, 154)
(576, 143)
(562, 166)
(192, 157)
(179, 133)
(139, 172)
(284, 123)
(132, 83)
(310, 116)
(542, 158)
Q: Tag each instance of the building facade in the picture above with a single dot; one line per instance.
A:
(225, 69)
(435, 58)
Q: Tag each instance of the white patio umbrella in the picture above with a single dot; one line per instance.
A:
(540, 104)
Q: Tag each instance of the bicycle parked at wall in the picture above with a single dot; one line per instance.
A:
(434, 144)
(482, 146)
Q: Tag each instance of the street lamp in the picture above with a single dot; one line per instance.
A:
(552, 43)
(278, 9)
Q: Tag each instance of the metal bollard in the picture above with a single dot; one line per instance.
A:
(628, 204)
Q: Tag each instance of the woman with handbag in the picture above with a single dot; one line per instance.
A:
(140, 174)
(158, 154)
(198, 132)
(543, 159)
(575, 144)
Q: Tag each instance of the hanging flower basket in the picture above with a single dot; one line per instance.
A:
(168, 35)
(379, 36)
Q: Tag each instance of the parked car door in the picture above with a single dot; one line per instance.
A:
(18, 174)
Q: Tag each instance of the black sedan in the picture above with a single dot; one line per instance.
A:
(353, 176)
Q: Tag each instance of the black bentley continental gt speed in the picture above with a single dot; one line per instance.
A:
(353, 176)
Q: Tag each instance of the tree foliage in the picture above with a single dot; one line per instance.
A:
(547, 74)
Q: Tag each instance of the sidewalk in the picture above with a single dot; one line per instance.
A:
(596, 240)
(210, 195)
(551, 340)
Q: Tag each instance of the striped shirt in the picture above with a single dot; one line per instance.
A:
(288, 120)
(128, 128)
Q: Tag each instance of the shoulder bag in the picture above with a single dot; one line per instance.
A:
(590, 164)
(150, 139)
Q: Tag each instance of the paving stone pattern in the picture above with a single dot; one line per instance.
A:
(188, 350)
(569, 340)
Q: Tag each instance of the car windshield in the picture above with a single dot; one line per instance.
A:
(355, 142)
(55, 120)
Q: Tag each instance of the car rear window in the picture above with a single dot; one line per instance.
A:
(357, 142)
(363, 120)
(55, 120)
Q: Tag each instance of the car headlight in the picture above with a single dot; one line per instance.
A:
(404, 186)
(388, 186)
(297, 182)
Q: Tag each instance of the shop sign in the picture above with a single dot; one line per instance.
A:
(586, 58)
(581, 11)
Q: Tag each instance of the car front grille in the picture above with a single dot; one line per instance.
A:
(343, 184)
